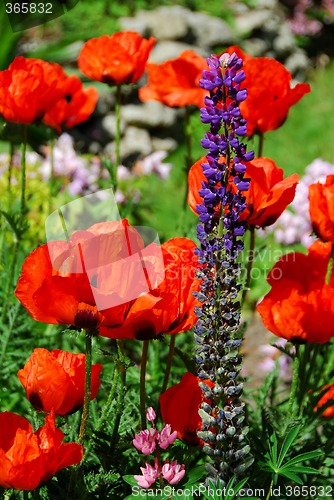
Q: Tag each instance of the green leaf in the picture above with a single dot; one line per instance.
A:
(291, 436)
(130, 480)
(303, 456)
(273, 449)
(194, 475)
(237, 487)
(302, 469)
(292, 476)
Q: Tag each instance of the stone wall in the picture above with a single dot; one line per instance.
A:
(151, 126)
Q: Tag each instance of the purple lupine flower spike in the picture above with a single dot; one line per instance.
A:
(219, 233)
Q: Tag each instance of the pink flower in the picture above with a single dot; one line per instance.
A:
(166, 437)
(173, 473)
(149, 476)
(145, 441)
(150, 414)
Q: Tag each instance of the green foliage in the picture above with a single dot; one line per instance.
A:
(289, 469)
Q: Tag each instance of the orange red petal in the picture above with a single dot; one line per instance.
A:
(179, 406)
(175, 83)
(29, 459)
(321, 197)
(300, 304)
(116, 59)
(56, 380)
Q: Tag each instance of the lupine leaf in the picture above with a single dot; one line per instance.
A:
(292, 476)
(291, 436)
(302, 457)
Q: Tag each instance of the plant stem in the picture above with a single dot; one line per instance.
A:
(110, 400)
(106, 409)
(17, 231)
(9, 284)
(23, 173)
(269, 491)
(7, 334)
(52, 174)
(169, 363)
(188, 137)
(188, 163)
(120, 404)
(118, 135)
(249, 264)
(295, 379)
(330, 266)
(10, 171)
(85, 412)
(261, 141)
(142, 384)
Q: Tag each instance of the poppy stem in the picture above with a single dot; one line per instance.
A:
(143, 364)
(294, 384)
(261, 142)
(110, 400)
(249, 264)
(52, 174)
(188, 137)
(23, 173)
(121, 367)
(118, 135)
(188, 161)
(330, 266)
(9, 175)
(85, 412)
(169, 363)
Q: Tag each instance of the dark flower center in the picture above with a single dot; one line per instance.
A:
(87, 317)
(145, 332)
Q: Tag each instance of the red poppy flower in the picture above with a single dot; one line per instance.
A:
(176, 82)
(116, 59)
(321, 198)
(179, 408)
(169, 308)
(270, 95)
(326, 398)
(87, 281)
(268, 195)
(28, 89)
(29, 459)
(75, 106)
(300, 305)
(56, 381)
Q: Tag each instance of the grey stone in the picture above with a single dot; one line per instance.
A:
(168, 144)
(166, 23)
(267, 4)
(108, 126)
(256, 47)
(135, 142)
(298, 64)
(284, 43)
(138, 24)
(163, 51)
(94, 148)
(210, 31)
(150, 114)
(252, 20)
